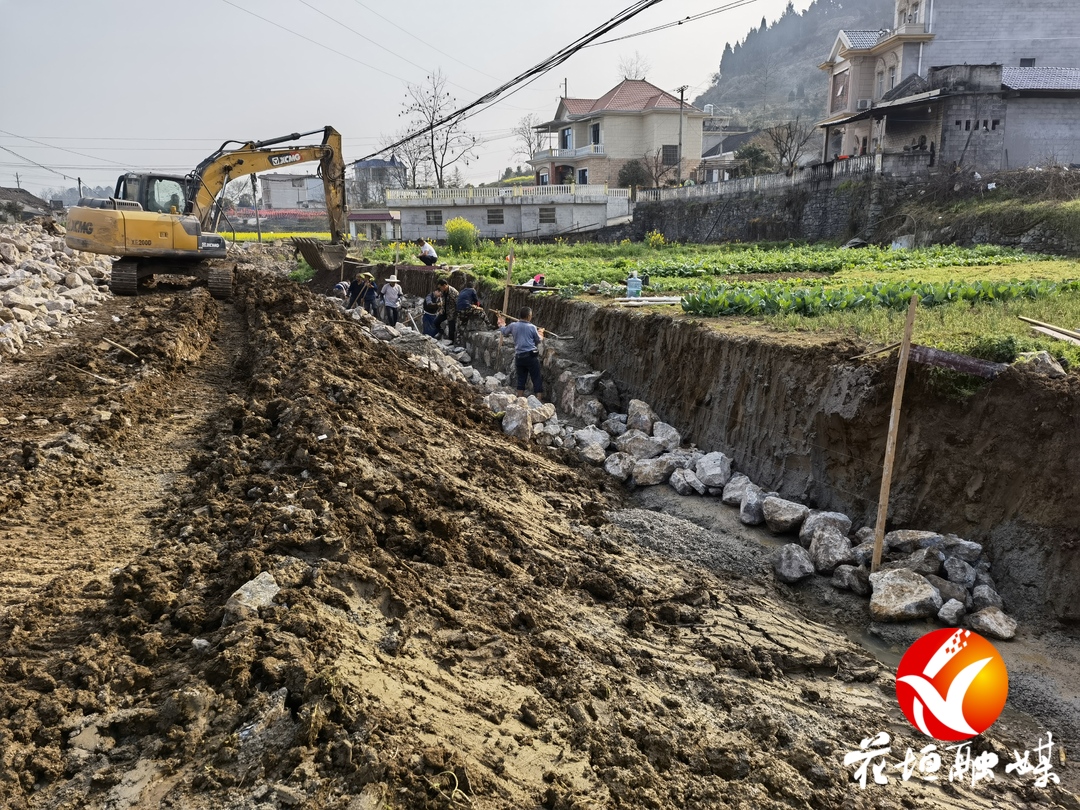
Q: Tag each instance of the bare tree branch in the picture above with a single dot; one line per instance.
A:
(529, 140)
(634, 67)
(788, 141)
(429, 103)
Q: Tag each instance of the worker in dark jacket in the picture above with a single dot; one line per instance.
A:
(369, 293)
(449, 308)
(356, 287)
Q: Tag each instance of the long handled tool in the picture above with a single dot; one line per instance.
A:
(546, 332)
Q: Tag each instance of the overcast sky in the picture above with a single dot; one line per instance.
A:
(92, 88)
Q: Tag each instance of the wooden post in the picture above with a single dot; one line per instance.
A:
(890, 445)
(509, 280)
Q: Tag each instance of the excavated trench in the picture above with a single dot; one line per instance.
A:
(800, 418)
(463, 619)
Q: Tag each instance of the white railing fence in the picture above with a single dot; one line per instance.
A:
(864, 164)
(570, 189)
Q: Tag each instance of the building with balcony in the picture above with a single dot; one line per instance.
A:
(520, 212)
(882, 97)
(635, 120)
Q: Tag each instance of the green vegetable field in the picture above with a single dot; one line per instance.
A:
(969, 297)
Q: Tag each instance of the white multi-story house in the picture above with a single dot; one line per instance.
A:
(983, 83)
(292, 191)
(635, 120)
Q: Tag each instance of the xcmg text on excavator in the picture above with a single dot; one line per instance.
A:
(161, 223)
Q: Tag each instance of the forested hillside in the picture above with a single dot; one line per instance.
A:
(772, 75)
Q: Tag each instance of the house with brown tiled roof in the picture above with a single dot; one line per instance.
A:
(635, 120)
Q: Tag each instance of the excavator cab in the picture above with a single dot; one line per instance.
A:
(162, 194)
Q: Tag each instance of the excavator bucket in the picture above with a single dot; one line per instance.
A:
(320, 255)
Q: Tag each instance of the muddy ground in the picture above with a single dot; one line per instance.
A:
(463, 620)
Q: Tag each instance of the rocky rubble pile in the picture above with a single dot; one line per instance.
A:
(45, 286)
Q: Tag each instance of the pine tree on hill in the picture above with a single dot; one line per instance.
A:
(772, 75)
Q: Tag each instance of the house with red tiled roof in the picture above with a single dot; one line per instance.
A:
(635, 120)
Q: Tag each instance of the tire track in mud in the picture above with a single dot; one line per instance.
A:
(87, 503)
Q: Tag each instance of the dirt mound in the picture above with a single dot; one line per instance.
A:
(459, 621)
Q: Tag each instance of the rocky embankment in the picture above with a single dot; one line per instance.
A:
(45, 286)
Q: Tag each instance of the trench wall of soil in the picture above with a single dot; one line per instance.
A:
(998, 467)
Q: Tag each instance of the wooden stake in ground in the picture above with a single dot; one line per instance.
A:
(890, 444)
(509, 279)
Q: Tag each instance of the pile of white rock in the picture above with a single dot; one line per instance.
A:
(924, 574)
(45, 286)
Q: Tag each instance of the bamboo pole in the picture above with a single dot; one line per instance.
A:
(890, 444)
(1060, 329)
(509, 280)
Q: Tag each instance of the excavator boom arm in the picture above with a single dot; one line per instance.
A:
(215, 172)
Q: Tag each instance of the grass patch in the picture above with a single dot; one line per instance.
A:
(303, 273)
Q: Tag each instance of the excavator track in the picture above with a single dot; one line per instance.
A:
(219, 280)
(125, 278)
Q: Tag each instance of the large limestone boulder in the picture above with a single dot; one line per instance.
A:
(952, 613)
(639, 445)
(592, 435)
(685, 482)
(983, 596)
(819, 520)
(593, 453)
(734, 489)
(651, 471)
(990, 621)
(516, 421)
(684, 459)
(907, 540)
(586, 383)
(783, 516)
(792, 563)
(714, 470)
(750, 508)
(925, 561)
(1040, 363)
(614, 425)
(958, 571)
(639, 416)
(851, 578)
(966, 550)
(667, 435)
(829, 549)
(249, 597)
(901, 594)
(950, 590)
(620, 465)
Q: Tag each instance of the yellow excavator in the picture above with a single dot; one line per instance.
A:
(160, 223)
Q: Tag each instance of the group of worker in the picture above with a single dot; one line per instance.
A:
(363, 290)
(446, 305)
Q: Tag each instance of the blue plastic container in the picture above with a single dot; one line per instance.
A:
(633, 287)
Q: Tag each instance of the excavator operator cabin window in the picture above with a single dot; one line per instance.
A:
(165, 195)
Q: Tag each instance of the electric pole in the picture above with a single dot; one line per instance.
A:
(679, 175)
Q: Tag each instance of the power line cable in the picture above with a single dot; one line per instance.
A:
(35, 163)
(427, 44)
(315, 42)
(683, 21)
(537, 70)
(61, 148)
